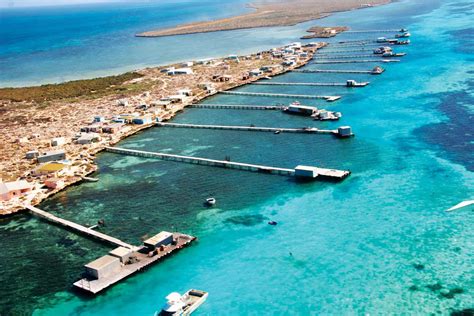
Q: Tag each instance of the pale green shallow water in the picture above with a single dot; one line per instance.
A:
(379, 242)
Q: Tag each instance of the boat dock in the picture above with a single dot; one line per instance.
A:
(77, 227)
(282, 95)
(309, 84)
(120, 263)
(357, 61)
(308, 130)
(238, 107)
(314, 174)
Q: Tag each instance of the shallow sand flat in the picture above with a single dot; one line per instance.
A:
(281, 13)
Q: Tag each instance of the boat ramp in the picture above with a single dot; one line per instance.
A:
(299, 171)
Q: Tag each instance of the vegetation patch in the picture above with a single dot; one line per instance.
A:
(71, 89)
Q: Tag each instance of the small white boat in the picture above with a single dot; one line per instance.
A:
(211, 201)
(183, 305)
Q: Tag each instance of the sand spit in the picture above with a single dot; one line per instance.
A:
(277, 13)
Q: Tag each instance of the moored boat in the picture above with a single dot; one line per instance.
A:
(183, 305)
(211, 201)
(403, 35)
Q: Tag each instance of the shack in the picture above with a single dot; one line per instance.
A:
(52, 156)
(103, 267)
(10, 190)
(306, 172)
(161, 239)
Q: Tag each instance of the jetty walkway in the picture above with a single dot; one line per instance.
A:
(238, 107)
(312, 130)
(323, 172)
(81, 229)
(282, 95)
(336, 71)
(330, 56)
(375, 31)
(309, 84)
(356, 61)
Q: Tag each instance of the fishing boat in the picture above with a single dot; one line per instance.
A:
(405, 42)
(324, 115)
(182, 305)
(377, 70)
(403, 35)
(211, 201)
(392, 54)
(382, 50)
(273, 223)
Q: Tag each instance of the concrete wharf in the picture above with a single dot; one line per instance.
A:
(282, 95)
(310, 84)
(238, 107)
(356, 61)
(337, 71)
(323, 172)
(142, 261)
(251, 128)
(79, 228)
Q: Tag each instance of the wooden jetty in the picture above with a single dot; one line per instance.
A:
(329, 51)
(309, 84)
(79, 228)
(375, 31)
(332, 174)
(324, 56)
(308, 130)
(238, 107)
(337, 71)
(127, 263)
(356, 61)
(282, 95)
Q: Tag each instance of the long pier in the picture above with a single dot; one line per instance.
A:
(238, 107)
(357, 61)
(323, 172)
(281, 95)
(334, 71)
(310, 84)
(326, 56)
(251, 128)
(375, 31)
(79, 228)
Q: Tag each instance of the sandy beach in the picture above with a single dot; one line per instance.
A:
(273, 13)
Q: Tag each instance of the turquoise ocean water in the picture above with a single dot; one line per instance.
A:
(378, 243)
